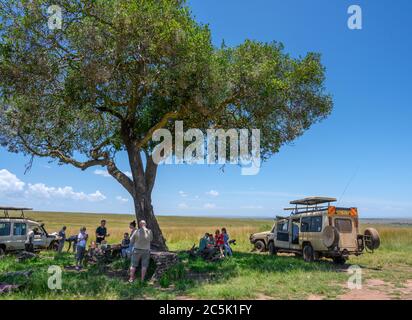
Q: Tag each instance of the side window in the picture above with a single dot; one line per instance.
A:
(19, 229)
(316, 224)
(305, 224)
(279, 226)
(283, 226)
(5, 228)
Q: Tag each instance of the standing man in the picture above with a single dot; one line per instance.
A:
(101, 232)
(62, 239)
(28, 244)
(140, 240)
(81, 247)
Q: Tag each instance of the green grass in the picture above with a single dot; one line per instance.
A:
(243, 276)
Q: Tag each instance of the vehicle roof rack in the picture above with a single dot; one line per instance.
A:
(310, 201)
(7, 209)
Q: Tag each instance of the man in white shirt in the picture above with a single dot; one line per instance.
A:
(140, 240)
(28, 244)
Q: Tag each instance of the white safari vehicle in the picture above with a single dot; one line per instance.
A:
(13, 232)
(317, 229)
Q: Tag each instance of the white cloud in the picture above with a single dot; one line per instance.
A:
(182, 194)
(9, 182)
(209, 206)
(104, 173)
(183, 205)
(212, 193)
(121, 199)
(40, 190)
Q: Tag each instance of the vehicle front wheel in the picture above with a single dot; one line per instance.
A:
(272, 248)
(308, 255)
(54, 246)
(260, 246)
(2, 252)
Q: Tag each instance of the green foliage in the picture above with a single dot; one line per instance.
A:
(118, 67)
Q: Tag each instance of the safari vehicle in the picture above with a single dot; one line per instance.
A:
(13, 232)
(317, 229)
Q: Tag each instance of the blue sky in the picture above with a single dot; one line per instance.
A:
(365, 145)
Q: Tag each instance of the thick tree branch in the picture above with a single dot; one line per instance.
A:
(124, 180)
(166, 118)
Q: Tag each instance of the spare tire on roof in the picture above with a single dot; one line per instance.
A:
(372, 239)
(330, 237)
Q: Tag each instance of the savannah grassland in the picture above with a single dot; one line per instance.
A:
(386, 274)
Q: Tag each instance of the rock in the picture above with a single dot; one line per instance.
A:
(24, 255)
(25, 273)
(6, 288)
(163, 261)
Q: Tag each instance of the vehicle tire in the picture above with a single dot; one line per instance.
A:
(260, 246)
(54, 246)
(339, 260)
(330, 237)
(272, 248)
(307, 253)
(372, 239)
(2, 252)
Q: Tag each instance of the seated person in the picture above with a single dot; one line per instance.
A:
(211, 241)
(125, 245)
(203, 242)
(210, 249)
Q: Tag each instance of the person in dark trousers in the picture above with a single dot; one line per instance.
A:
(126, 245)
(81, 247)
(62, 239)
(101, 232)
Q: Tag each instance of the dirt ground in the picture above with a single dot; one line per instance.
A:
(379, 290)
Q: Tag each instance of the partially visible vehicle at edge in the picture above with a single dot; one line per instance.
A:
(13, 232)
(315, 230)
(260, 240)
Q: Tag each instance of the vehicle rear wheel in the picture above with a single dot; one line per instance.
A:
(339, 260)
(372, 239)
(260, 246)
(308, 255)
(2, 252)
(330, 236)
(272, 248)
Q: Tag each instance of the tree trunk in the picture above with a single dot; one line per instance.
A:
(144, 211)
(142, 187)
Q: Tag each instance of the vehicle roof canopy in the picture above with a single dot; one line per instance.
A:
(15, 209)
(310, 201)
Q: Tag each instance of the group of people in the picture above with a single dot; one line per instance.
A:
(135, 245)
(211, 244)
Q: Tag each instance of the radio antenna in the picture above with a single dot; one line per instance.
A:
(347, 185)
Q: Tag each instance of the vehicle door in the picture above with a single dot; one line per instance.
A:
(39, 241)
(295, 233)
(282, 234)
(5, 236)
(19, 234)
(347, 233)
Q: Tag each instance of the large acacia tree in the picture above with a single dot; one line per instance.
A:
(117, 70)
